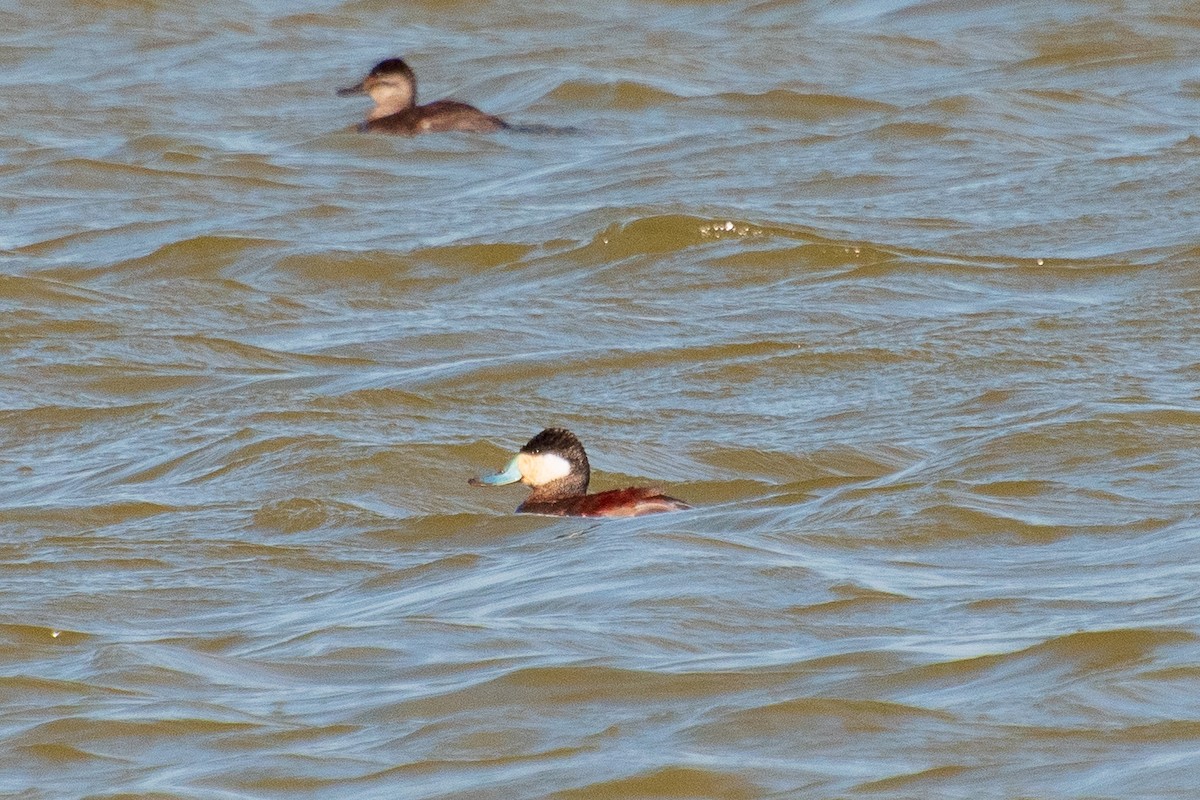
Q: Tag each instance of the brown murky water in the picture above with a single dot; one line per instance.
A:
(902, 295)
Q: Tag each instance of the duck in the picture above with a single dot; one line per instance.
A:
(393, 86)
(555, 466)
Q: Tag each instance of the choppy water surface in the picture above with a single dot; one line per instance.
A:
(902, 295)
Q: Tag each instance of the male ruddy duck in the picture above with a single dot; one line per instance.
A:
(554, 464)
(393, 87)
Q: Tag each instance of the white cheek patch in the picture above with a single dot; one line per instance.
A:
(538, 469)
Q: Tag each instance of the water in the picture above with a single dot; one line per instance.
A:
(902, 295)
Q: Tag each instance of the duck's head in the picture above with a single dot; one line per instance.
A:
(391, 84)
(553, 463)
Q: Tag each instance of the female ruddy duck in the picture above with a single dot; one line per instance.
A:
(554, 465)
(393, 87)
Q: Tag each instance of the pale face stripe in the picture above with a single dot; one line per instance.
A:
(538, 469)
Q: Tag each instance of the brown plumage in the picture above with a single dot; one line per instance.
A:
(393, 86)
(555, 466)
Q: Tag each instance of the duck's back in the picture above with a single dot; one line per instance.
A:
(635, 501)
(438, 117)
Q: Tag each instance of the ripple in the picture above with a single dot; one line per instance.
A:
(791, 105)
(623, 95)
(670, 782)
(898, 294)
